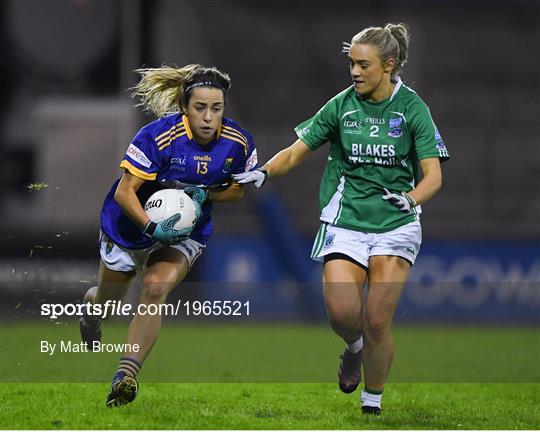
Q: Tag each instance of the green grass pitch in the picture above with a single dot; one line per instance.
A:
(257, 376)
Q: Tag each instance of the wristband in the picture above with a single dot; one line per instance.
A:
(409, 198)
(149, 229)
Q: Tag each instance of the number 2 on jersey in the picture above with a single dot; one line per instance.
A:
(374, 131)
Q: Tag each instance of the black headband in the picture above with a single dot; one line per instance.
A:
(215, 84)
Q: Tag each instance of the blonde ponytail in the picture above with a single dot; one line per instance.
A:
(160, 90)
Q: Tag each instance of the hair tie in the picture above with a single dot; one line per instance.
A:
(346, 47)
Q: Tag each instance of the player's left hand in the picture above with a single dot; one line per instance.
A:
(402, 201)
(257, 177)
(198, 195)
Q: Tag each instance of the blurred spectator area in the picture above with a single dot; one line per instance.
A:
(67, 117)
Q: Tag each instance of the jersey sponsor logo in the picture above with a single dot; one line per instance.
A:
(178, 163)
(252, 161)
(394, 126)
(392, 161)
(376, 154)
(381, 150)
(181, 160)
(138, 156)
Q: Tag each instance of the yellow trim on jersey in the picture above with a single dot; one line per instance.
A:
(169, 131)
(136, 171)
(168, 143)
(169, 137)
(228, 135)
(233, 131)
(186, 125)
(218, 133)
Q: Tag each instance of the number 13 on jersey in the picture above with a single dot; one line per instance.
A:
(202, 167)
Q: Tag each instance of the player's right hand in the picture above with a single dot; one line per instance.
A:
(257, 177)
(164, 231)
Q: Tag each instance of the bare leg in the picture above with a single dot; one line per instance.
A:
(112, 285)
(387, 274)
(342, 285)
(164, 270)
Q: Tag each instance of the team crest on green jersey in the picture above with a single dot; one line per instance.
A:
(394, 126)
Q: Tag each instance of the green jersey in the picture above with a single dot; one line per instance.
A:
(373, 145)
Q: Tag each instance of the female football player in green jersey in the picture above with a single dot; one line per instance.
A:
(381, 136)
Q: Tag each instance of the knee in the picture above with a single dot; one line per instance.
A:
(343, 317)
(154, 290)
(377, 327)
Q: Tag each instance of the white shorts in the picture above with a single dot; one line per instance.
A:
(118, 258)
(360, 246)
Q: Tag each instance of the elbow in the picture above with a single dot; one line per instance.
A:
(119, 195)
(437, 184)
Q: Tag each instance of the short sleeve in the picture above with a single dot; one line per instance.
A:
(251, 161)
(142, 159)
(320, 128)
(428, 142)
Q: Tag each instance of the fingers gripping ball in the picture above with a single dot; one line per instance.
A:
(198, 195)
(174, 212)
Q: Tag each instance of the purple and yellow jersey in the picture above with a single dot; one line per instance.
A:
(164, 151)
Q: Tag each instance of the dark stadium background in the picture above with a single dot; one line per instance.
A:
(66, 119)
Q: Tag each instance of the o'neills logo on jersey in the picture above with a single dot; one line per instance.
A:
(204, 158)
(375, 121)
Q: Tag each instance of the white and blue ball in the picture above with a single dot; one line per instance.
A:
(167, 202)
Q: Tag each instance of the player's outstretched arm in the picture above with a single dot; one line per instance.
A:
(232, 193)
(287, 159)
(280, 164)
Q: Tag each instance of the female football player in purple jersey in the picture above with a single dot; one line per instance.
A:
(192, 144)
(381, 136)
